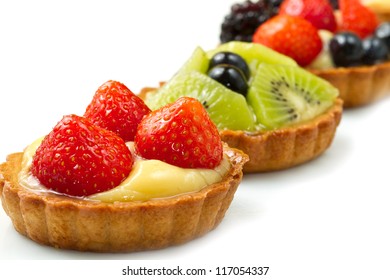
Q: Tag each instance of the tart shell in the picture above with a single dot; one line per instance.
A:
(79, 224)
(361, 85)
(285, 147)
(380, 8)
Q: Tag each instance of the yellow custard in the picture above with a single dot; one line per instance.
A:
(148, 179)
(377, 5)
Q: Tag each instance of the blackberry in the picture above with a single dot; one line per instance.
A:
(334, 4)
(245, 17)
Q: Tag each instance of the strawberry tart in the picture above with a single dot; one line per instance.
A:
(121, 178)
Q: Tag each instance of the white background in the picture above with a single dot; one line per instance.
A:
(327, 219)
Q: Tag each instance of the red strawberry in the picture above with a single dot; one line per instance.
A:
(181, 134)
(116, 108)
(291, 36)
(78, 158)
(319, 13)
(357, 18)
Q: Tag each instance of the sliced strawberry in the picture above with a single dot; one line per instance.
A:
(78, 158)
(116, 108)
(319, 13)
(357, 18)
(180, 134)
(292, 36)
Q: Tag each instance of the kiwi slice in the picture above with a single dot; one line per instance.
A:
(253, 54)
(226, 108)
(283, 95)
(198, 61)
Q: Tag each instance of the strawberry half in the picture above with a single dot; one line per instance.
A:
(319, 13)
(181, 134)
(116, 108)
(78, 158)
(292, 36)
(357, 18)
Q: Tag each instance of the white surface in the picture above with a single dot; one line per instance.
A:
(327, 219)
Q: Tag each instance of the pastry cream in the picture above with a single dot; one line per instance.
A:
(377, 5)
(148, 179)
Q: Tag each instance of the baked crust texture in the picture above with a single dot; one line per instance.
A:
(285, 147)
(79, 224)
(361, 85)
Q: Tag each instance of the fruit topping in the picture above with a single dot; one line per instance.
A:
(383, 32)
(346, 49)
(324, 59)
(244, 18)
(230, 70)
(198, 61)
(253, 54)
(375, 51)
(180, 133)
(280, 93)
(284, 95)
(300, 41)
(227, 109)
(357, 18)
(79, 158)
(292, 36)
(116, 108)
(232, 59)
(319, 13)
(229, 76)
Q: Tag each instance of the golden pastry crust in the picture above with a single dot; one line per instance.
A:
(70, 223)
(282, 148)
(380, 7)
(361, 85)
(286, 147)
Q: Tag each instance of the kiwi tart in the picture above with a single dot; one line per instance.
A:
(287, 115)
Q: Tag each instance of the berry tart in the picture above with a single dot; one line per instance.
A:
(261, 101)
(84, 187)
(341, 41)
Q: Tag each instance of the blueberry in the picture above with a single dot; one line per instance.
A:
(375, 51)
(383, 32)
(230, 58)
(346, 49)
(229, 76)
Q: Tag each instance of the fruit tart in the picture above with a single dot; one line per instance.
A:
(84, 187)
(261, 101)
(340, 41)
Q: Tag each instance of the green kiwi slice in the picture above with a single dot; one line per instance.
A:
(198, 61)
(253, 54)
(226, 108)
(283, 95)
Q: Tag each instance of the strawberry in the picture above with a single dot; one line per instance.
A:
(79, 158)
(292, 36)
(319, 13)
(181, 134)
(116, 108)
(357, 18)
